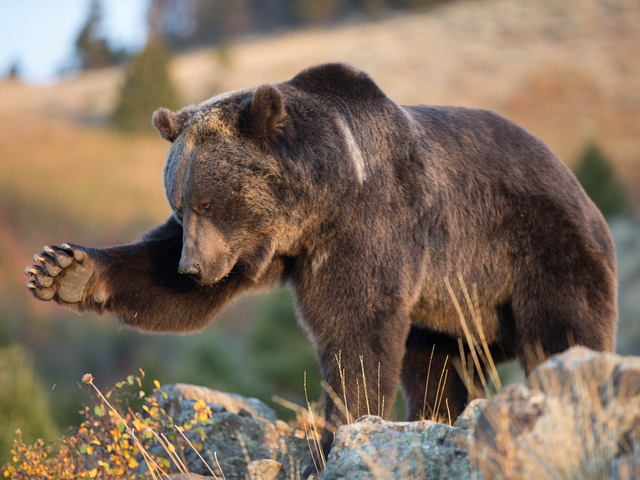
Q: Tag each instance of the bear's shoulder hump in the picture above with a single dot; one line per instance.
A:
(338, 79)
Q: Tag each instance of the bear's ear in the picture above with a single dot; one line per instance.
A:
(167, 123)
(262, 116)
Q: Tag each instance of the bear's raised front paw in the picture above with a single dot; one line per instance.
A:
(62, 273)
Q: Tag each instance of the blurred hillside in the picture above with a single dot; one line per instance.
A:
(567, 71)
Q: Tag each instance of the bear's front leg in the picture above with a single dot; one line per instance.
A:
(140, 283)
(361, 361)
(67, 275)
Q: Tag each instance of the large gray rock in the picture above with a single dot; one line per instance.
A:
(577, 416)
(229, 401)
(241, 430)
(373, 448)
(244, 438)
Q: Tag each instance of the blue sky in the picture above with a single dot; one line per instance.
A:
(40, 34)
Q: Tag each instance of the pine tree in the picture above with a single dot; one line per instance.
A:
(147, 87)
(92, 49)
(14, 71)
(600, 182)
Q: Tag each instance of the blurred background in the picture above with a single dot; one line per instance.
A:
(80, 162)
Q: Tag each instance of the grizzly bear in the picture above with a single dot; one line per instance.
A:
(372, 212)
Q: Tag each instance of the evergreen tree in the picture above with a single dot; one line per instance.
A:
(147, 87)
(14, 71)
(92, 49)
(600, 182)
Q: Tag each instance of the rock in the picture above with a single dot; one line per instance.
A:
(242, 432)
(229, 401)
(470, 414)
(374, 448)
(263, 470)
(576, 417)
(294, 454)
(283, 428)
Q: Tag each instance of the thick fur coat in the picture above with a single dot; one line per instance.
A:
(367, 209)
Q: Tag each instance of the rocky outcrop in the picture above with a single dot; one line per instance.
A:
(577, 416)
(373, 448)
(244, 438)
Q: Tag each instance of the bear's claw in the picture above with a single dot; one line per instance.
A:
(61, 272)
(63, 257)
(76, 252)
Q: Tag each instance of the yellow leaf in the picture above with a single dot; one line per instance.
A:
(93, 473)
(156, 383)
(89, 450)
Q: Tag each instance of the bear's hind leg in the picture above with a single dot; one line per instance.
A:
(554, 316)
(429, 377)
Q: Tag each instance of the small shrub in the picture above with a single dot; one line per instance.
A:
(600, 182)
(113, 442)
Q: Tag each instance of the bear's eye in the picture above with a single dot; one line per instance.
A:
(206, 206)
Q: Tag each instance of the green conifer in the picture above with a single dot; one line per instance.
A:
(601, 183)
(147, 87)
(93, 49)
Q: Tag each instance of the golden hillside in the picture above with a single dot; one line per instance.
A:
(568, 71)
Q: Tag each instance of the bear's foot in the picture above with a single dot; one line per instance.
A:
(62, 274)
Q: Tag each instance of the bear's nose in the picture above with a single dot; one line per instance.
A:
(193, 270)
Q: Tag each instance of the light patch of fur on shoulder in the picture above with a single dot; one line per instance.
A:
(412, 121)
(354, 150)
(318, 261)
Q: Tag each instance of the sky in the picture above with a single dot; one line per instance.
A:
(40, 34)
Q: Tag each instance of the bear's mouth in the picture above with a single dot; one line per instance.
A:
(210, 281)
